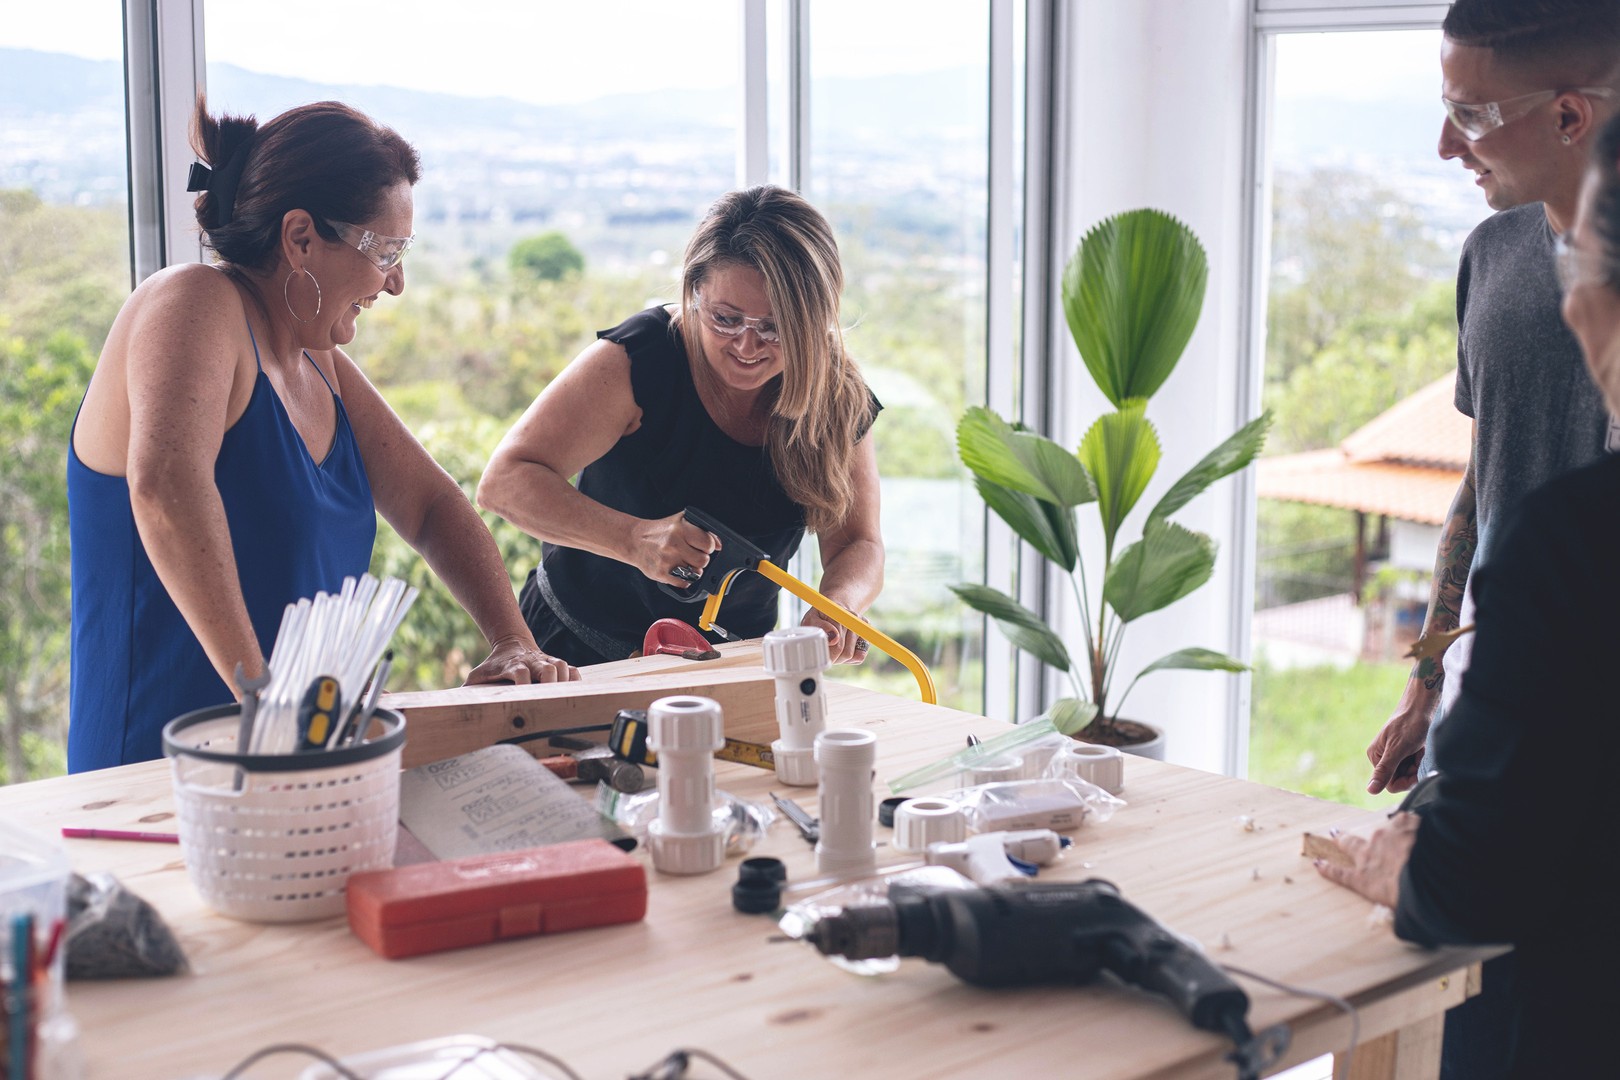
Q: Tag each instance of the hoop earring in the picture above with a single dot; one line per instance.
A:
(285, 299)
(1566, 140)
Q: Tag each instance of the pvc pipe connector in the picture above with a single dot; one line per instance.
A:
(685, 732)
(1101, 765)
(920, 822)
(795, 658)
(845, 758)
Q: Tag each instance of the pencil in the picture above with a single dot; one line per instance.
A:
(121, 834)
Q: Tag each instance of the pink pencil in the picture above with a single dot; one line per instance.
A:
(121, 834)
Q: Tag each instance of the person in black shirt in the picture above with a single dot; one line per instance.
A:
(1518, 846)
(740, 401)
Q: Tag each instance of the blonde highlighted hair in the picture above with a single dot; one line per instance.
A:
(819, 407)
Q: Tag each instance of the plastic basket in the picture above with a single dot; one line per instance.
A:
(274, 837)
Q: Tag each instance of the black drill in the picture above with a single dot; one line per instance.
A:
(1050, 933)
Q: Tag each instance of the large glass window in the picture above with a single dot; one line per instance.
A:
(64, 271)
(899, 125)
(567, 153)
(1366, 227)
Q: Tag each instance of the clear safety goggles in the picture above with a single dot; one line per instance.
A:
(732, 324)
(1577, 265)
(385, 252)
(1475, 121)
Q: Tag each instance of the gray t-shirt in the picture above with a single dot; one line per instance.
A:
(1520, 376)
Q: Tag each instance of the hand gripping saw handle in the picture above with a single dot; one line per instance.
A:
(737, 554)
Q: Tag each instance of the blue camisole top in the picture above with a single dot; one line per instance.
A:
(297, 527)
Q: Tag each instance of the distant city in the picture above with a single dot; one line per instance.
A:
(900, 157)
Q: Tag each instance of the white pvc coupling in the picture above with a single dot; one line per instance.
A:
(795, 658)
(1101, 765)
(921, 822)
(845, 758)
(685, 732)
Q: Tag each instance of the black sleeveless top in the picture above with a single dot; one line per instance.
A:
(677, 458)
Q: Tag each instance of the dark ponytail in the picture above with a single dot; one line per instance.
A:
(326, 158)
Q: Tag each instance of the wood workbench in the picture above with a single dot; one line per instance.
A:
(1212, 857)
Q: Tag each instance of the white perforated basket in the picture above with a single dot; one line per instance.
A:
(274, 837)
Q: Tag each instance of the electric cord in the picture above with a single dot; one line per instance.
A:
(675, 1065)
(1315, 995)
(345, 1073)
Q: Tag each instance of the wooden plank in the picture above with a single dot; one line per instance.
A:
(1411, 1053)
(444, 723)
(733, 654)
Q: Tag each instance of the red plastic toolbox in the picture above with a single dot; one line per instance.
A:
(428, 907)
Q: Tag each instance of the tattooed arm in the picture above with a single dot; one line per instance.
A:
(1398, 748)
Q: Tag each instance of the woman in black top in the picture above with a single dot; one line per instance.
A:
(1518, 846)
(740, 401)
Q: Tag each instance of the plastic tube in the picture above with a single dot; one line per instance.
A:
(685, 732)
(845, 758)
(795, 658)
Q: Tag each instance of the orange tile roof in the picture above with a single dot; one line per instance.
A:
(1405, 463)
(1328, 478)
(1424, 429)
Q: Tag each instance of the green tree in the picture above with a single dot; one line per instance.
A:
(40, 387)
(551, 256)
(439, 644)
(1345, 248)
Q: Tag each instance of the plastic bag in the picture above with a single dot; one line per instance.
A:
(826, 896)
(744, 822)
(114, 934)
(1020, 754)
(1057, 804)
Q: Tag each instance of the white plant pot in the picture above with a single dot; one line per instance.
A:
(1153, 748)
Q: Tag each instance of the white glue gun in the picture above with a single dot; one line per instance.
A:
(995, 857)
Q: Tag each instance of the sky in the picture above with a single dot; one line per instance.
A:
(525, 49)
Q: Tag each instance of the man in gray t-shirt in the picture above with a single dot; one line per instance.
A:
(1526, 86)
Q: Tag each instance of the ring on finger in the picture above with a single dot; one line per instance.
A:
(686, 573)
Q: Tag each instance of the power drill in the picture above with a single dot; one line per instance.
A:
(1050, 933)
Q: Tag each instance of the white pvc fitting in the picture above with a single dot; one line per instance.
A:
(1101, 765)
(845, 758)
(795, 658)
(685, 732)
(920, 822)
(996, 770)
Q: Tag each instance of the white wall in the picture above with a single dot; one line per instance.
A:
(1156, 117)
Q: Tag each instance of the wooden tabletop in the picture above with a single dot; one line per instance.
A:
(1214, 858)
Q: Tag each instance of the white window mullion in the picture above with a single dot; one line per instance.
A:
(753, 133)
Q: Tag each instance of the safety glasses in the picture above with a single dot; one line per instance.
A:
(1475, 121)
(1576, 265)
(385, 252)
(729, 323)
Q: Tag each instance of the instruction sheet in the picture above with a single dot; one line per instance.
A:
(496, 799)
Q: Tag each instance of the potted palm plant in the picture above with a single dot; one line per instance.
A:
(1132, 294)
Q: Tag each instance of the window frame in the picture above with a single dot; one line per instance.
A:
(1271, 19)
(166, 68)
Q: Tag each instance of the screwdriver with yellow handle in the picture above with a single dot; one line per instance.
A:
(736, 555)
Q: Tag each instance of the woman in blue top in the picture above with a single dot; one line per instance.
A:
(741, 401)
(229, 458)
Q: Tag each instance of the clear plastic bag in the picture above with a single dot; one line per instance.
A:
(1059, 804)
(1020, 754)
(826, 896)
(744, 822)
(114, 934)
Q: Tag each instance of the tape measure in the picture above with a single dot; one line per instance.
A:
(628, 739)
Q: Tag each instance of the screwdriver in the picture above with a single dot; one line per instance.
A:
(809, 827)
